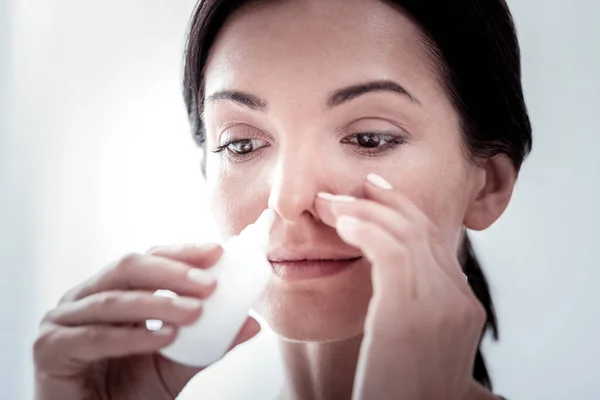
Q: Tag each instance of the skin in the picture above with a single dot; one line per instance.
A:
(335, 331)
(402, 323)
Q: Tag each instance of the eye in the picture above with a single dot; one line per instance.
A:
(368, 140)
(242, 146)
(371, 144)
(241, 149)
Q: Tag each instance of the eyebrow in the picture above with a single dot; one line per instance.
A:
(351, 92)
(245, 99)
(337, 98)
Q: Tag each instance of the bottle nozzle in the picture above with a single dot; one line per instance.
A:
(259, 230)
(266, 220)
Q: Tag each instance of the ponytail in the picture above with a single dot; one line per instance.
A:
(471, 267)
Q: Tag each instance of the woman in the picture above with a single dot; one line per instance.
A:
(378, 131)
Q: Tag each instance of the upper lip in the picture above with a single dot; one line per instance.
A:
(281, 255)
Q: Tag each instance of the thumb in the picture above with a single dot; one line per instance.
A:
(250, 329)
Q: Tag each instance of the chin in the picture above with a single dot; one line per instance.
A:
(321, 311)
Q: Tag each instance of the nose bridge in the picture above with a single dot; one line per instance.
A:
(295, 180)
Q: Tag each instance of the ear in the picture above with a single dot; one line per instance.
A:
(492, 194)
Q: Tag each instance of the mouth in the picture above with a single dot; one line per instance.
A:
(293, 270)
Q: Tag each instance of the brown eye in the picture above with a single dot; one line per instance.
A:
(368, 140)
(239, 150)
(242, 146)
(373, 144)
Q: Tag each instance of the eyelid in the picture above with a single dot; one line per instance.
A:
(393, 142)
(235, 141)
(389, 140)
(244, 131)
(236, 157)
(392, 128)
(383, 135)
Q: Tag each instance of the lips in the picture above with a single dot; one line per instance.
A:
(312, 259)
(283, 255)
(300, 269)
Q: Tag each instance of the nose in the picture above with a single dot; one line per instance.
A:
(295, 184)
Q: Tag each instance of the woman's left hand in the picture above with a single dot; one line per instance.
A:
(423, 323)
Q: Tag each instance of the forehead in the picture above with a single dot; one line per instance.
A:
(302, 46)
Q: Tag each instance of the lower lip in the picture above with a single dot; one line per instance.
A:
(310, 269)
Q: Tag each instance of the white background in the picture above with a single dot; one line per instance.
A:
(96, 161)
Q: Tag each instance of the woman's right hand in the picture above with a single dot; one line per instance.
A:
(95, 344)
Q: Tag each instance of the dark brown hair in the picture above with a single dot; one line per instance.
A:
(475, 46)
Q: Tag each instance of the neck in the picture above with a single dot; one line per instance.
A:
(320, 370)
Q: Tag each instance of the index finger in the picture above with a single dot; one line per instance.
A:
(198, 255)
(150, 272)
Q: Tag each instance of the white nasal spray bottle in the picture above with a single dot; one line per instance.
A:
(242, 273)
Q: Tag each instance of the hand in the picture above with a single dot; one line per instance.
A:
(95, 344)
(423, 323)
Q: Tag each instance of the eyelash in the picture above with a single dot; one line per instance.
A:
(234, 156)
(392, 141)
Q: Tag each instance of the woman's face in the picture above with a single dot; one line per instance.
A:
(295, 66)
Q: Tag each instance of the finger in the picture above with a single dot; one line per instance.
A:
(330, 208)
(381, 191)
(392, 263)
(119, 307)
(421, 237)
(147, 272)
(202, 255)
(97, 342)
(323, 204)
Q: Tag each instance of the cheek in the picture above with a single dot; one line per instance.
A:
(447, 203)
(234, 205)
(438, 187)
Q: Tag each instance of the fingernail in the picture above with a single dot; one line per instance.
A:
(338, 197)
(153, 324)
(163, 331)
(187, 303)
(325, 196)
(207, 247)
(343, 198)
(379, 181)
(201, 276)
